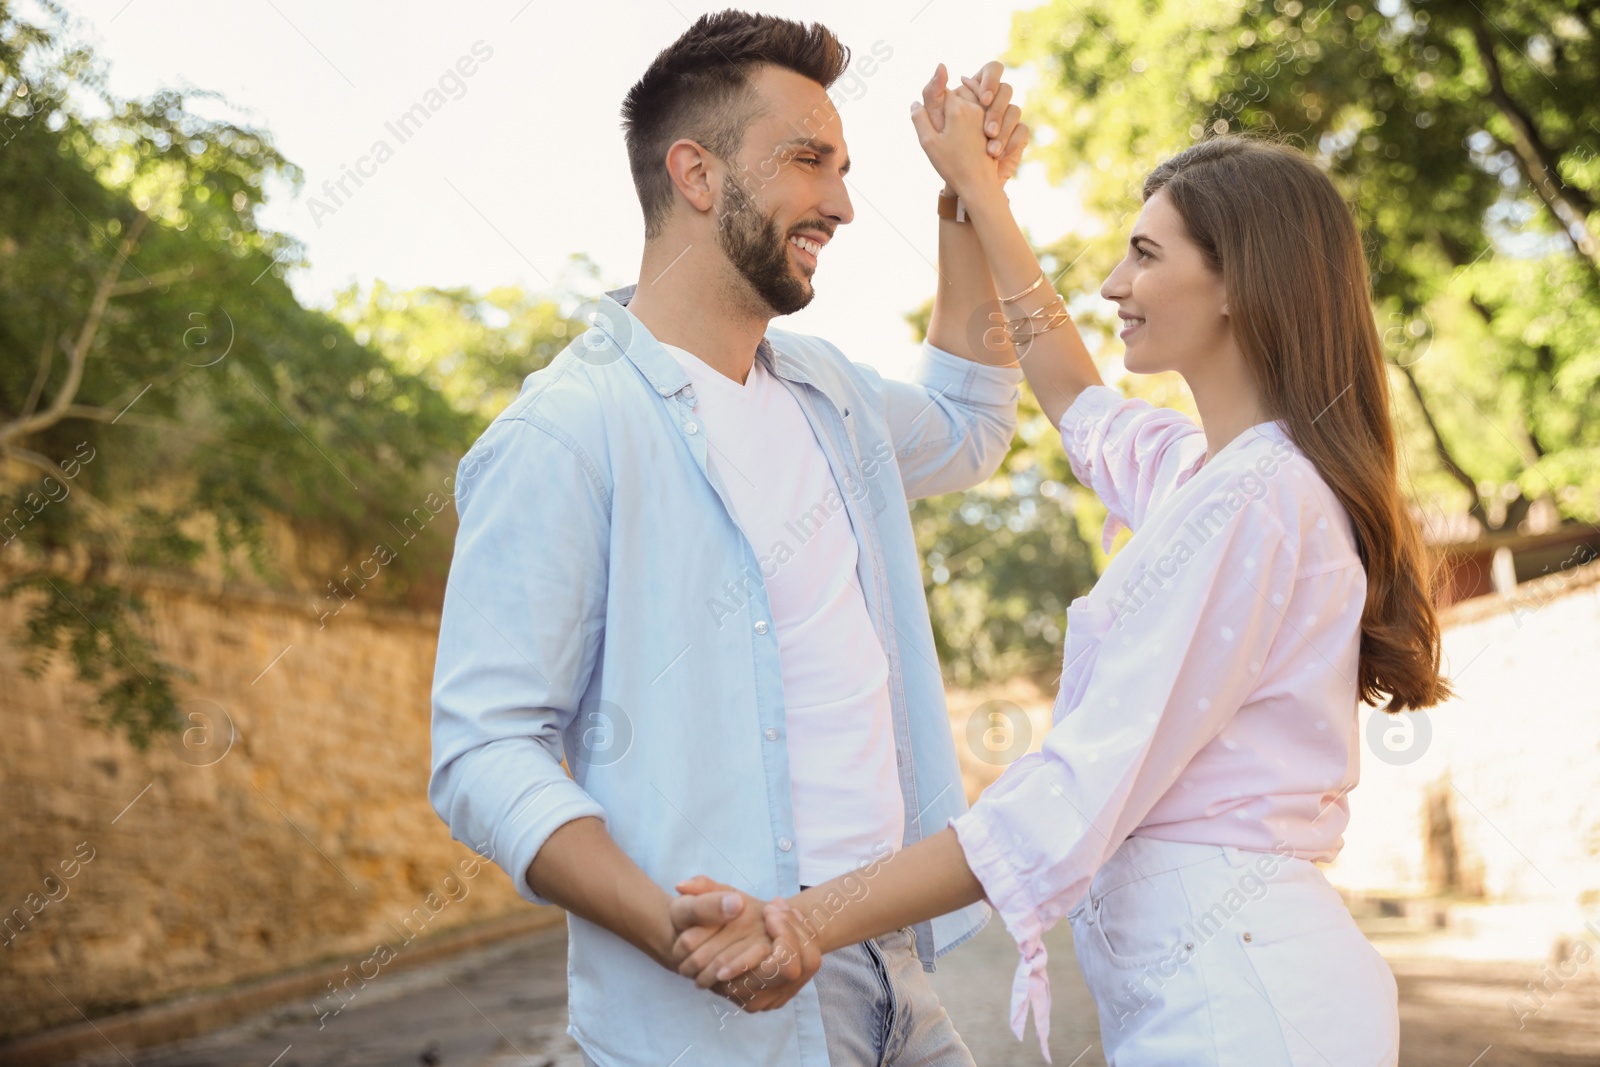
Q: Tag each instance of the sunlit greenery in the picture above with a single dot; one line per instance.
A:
(145, 324)
(166, 403)
(1468, 137)
(1466, 134)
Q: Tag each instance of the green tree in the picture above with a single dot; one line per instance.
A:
(1466, 134)
(163, 397)
(473, 349)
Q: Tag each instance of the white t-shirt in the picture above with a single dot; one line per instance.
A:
(843, 774)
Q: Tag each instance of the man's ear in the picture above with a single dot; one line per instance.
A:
(694, 172)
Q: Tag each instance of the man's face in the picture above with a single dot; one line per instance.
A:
(785, 193)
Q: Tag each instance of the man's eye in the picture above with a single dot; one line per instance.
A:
(809, 159)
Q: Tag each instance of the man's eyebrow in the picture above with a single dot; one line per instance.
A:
(817, 145)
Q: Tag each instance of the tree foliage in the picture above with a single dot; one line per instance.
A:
(165, 401)
(1465, 134)
(1467, 137)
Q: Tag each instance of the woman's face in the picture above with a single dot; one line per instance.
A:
(1172, 304)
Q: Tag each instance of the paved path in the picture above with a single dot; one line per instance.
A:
(506, 1007)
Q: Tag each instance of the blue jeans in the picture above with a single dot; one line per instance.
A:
(878, 1008)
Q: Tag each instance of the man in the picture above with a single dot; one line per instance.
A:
(685, 568)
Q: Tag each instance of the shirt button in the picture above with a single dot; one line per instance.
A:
(1247, 935)
(772, 734)
(761, 627)
(691, 427)
(785, 844)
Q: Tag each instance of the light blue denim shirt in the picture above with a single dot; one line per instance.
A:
(605, 610)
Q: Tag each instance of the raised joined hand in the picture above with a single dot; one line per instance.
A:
(987, 119)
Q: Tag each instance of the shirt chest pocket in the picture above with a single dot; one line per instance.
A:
(1088, 625)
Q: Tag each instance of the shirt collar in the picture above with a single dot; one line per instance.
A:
(663, 372)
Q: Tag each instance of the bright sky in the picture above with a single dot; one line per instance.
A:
(523, 165)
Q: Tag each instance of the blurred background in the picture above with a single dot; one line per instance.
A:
(268, 268)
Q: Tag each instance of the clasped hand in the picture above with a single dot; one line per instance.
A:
(973, 136)
(758, 954)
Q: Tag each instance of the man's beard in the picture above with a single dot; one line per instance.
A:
(759, 253)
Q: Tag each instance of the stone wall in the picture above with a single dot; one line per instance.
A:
(289, 825)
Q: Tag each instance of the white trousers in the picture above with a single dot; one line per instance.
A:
(1208, 954)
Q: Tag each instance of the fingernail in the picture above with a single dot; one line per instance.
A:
(914, 105)
(722, 975)
(993, 128)
(730, 904)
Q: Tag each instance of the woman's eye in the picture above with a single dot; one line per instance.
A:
(1141, 253)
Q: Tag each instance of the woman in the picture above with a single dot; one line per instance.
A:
(1206, 730)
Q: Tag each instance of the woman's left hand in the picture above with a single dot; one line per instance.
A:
(973, 147)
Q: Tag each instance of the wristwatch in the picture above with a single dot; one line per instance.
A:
(951, 207)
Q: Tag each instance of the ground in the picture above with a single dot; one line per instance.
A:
(506, 1006)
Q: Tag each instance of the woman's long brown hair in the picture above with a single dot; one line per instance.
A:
(1271, 222)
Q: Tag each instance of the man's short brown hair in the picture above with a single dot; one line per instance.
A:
(699, 87)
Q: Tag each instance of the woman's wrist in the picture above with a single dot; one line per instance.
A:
(807, 903)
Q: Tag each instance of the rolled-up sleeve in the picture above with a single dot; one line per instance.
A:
(1167, 679)
(951, 424)
(521, 625)
(1129, 452)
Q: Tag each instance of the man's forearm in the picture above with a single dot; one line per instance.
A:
(581, 869)
(965, 303)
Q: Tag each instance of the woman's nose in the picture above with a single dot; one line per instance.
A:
(1115, 286)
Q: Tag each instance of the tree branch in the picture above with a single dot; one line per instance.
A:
(177, 274)
(20, 427)
(99, 414)
(48, 465)
(1450, 465)
(46, 353)
(1540, 165)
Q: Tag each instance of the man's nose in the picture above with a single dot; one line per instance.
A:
(837, 206)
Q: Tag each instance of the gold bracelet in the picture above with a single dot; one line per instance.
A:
(1013, 299)
(1053, 315)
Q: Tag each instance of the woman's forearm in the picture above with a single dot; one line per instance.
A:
(1056, 363)
(913, 885)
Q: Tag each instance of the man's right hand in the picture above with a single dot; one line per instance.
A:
(757, 954)
(1008, 135)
